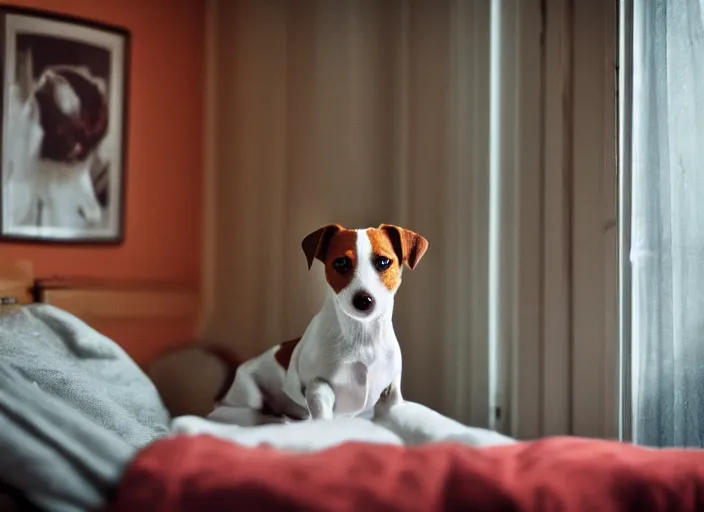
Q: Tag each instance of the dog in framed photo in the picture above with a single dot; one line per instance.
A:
(56, 124)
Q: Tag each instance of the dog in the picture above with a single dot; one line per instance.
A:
(58, 123)
(348, 357)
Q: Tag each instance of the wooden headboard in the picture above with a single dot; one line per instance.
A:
(146, 318)
(136, 301)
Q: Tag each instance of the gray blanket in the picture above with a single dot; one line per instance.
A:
(73, 409)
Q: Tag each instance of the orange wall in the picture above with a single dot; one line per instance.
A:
(164, 163)
(165, 147)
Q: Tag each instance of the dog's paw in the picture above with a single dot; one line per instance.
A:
(320, 398)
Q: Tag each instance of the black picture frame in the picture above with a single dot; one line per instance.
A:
(63, 152)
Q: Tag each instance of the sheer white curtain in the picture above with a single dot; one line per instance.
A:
(667, 223)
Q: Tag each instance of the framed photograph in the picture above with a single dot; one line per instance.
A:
(64, 126)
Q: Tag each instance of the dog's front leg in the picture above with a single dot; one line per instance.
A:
(321, 399)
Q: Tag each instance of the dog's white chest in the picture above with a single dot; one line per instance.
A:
(357, 378)
(358, 386)
(351, 386)
(359, 361)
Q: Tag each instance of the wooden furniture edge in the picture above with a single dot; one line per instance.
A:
(95, 300)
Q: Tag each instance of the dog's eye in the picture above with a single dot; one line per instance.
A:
(342, 265)
(382, 263)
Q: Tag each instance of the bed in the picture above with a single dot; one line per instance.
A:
(557, 474)
(82, 427)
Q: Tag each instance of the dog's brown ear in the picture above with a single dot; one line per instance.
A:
(316, 244)
(408, 245)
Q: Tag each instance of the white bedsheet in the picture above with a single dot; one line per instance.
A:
(407, 423)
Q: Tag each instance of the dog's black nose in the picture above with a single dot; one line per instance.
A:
(362, 301)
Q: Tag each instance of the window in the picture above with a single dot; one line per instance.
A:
(662, 222)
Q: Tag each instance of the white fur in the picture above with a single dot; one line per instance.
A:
(343, 363)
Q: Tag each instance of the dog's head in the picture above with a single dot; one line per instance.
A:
(364, 266)
(73, 114)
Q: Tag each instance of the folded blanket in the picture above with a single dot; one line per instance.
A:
(73, 409)
(51, 453)
(185, 474)
(73, 362)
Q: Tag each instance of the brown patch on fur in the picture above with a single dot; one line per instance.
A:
(408, 245)
(343, 243)
(382, 246)
(283, 355)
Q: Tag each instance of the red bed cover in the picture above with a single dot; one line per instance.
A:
(554, 474)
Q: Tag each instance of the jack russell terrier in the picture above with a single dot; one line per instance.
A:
(348, 356)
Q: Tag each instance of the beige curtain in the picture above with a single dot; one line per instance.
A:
(363, 112)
